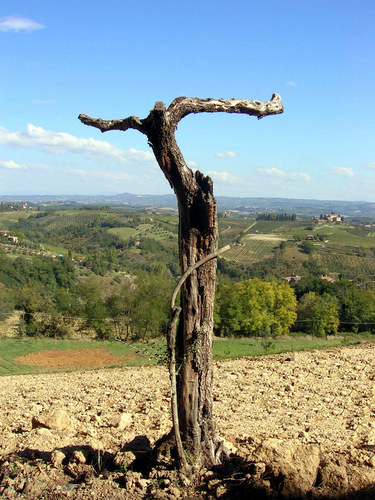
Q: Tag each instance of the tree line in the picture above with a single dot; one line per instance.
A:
(276, 217)
(56, 297)
(313, 306)
(55, 301)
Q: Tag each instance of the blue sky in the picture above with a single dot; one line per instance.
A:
(117, 58)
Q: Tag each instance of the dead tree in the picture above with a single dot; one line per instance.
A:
(198, 238)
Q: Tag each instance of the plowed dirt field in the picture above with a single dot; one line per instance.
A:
(298, 425)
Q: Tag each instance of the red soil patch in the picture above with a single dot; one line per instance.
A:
(71, 358)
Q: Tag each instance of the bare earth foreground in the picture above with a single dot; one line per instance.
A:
(298, 425)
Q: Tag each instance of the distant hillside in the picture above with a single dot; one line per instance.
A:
(301, 207)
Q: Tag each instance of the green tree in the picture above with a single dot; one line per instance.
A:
(6, 302)
(357, 307)
(94, 309)
(285, 308)
(307, 247)
(151, 312)
(313, 267)
(31, 299)
(254, 307)
(119, 310)
(318, 314)
(312, 283)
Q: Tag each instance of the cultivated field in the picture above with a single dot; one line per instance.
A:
(296, 424)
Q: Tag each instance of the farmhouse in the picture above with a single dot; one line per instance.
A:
(332, 217)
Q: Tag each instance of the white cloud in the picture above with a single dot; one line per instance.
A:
(98, 174)
(226, 154)
(299, 176)
(343, 172)
(371, 166)
(192, 164)
(11, 165)
(226, 177)
(291, 84)
(280, 174)
(138, 155)
(62, 142)
(17, 24)
(271, 172)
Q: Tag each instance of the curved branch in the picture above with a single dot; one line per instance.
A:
(183, 106)
(105, 125)
(171, 344)
(191, 269)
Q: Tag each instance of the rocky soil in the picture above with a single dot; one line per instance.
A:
(298, 426)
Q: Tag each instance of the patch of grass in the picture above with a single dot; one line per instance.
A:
(151, 353)
(238, 348)
(9, 217)
(125, 233)
(55, 249)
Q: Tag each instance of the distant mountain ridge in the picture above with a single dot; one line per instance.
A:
(248, 205)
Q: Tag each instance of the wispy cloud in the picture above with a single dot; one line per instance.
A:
(271, 172)
(62, 142)
(19, 24)
(226, 154)
(343, 172)
(370, 166)
(299, 176)
(12, 165)
(291, 84)
(98, 174)
(280, 174)
(192, 164)
(226, 177)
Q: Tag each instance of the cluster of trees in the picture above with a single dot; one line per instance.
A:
(326, 307)
(138, 309)
(87, 234)
(19, 271)
(276, 217)
(55, 298)
(315, 306)
(135, 309)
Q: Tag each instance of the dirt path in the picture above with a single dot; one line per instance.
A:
(310, 405)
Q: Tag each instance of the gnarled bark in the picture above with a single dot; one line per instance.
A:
(198, 237)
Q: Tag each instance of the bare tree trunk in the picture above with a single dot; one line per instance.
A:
(198, 237)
